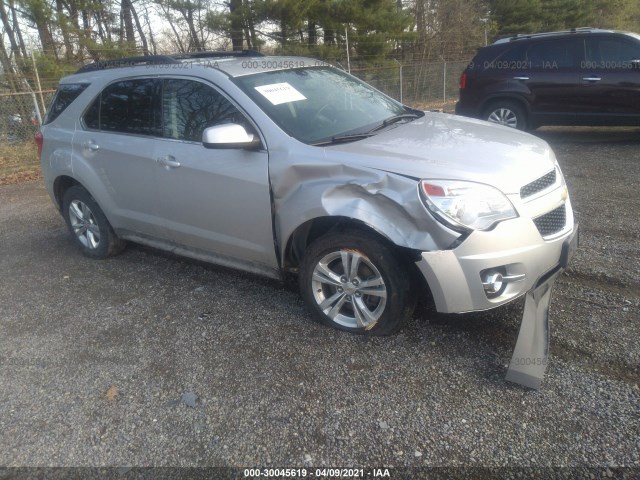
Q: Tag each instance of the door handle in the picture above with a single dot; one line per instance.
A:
(168, 161)
(591, 79)
(91, 145)
(521, 78)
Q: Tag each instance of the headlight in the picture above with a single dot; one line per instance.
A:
(466, 204)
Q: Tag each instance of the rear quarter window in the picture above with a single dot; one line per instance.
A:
(127, 106)
(65, 95)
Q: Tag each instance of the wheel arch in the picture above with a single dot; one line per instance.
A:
(313, 229)
(60, 185)
(510, 97)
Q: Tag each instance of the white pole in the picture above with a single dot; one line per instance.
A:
(444, 84)
(36, 108)
(346, 34)
(35, 70)
(400, 65)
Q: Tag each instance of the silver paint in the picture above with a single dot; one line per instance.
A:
(188, 206)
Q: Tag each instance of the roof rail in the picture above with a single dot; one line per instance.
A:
(521, 36)
(223, 54)
(163, 59)
(127, 62)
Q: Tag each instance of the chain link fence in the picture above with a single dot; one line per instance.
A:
(424, 85)
(20, 115)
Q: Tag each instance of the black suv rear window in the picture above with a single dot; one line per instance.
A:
(64, 97)
(548, 54)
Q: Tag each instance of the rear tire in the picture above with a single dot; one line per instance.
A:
(507, 113)
(354, 282)
(88, 225)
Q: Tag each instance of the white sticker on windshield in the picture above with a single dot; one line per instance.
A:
(278, 93)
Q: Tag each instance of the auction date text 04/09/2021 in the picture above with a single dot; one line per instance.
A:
(317, 473)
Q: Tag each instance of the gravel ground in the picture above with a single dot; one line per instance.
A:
(148, 359)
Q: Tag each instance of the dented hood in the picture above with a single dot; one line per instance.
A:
(450, 147)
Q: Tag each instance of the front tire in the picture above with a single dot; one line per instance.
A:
(354, 282)
(88, 225)
(507, 113)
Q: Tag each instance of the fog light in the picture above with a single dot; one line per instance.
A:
(495, 280)
(492, 282)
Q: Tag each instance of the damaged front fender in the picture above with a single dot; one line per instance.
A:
(388, 203)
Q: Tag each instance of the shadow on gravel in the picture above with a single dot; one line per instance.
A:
(582, 135)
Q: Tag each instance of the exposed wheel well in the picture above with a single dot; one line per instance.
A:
(311, 230)
(60, 186)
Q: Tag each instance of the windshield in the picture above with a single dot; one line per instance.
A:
(314, 105)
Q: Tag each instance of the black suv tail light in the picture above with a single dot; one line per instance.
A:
(463, 81)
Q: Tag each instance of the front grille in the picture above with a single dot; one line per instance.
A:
(552, 222)
(538, 185)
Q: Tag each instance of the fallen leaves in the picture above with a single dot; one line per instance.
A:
(112, 393)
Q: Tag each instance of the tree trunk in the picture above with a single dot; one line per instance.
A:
(15, 50)
(235, 12)
(39, 13)
(16, 26)
(151, 38)
(88, 41)
(284, 31)
(312, 36)
(127, 20)
(247, 36)
(173, 28)
(143, 38)
(64, 29)
(187, 13)
(7, 67)
(329, 36)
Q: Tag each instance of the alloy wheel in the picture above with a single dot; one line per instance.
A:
(84, 224)
(349, 289)
(504, 116)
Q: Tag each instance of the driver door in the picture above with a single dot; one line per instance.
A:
(215, 201)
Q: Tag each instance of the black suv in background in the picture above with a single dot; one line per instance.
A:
(583, 76)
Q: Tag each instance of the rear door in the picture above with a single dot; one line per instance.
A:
(115, 148)
(610, 80)
(551, 75)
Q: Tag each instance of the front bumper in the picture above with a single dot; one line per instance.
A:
(531, 353)
(515, 247)
(455, 280)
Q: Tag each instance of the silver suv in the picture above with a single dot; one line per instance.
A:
(274, 165)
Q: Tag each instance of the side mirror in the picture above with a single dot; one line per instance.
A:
(229, 135)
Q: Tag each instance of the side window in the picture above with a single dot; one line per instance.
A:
(611, 52)
(64, 97)
(189, 107)
(516, 54)
(552, 54)
(128, 106)
(92, 115)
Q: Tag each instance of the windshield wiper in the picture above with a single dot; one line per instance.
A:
(395, 119)
(350, 137)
